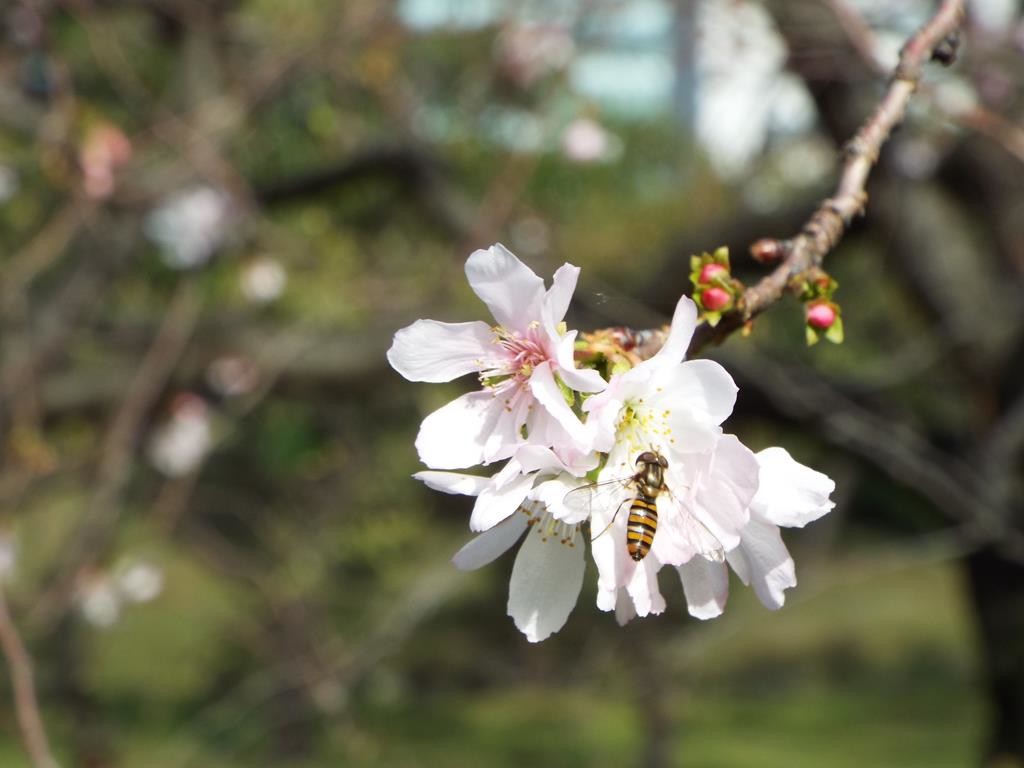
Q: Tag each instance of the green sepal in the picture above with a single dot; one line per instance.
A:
(820, 285)
(713, 318)
(494, 381)
(593, 474)
(835, 331)
(567, 393)
(812, 336)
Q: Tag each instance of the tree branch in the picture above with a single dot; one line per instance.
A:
(27, 706)
(827, 225)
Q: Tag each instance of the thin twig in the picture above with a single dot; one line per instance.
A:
(118, 451)
(25, 702)
(827, 225)
(976, 118)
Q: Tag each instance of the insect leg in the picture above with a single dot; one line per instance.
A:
(612, 521)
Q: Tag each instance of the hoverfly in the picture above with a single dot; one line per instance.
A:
(648, 482)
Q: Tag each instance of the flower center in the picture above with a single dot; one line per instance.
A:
(542, 523)
(517, 356)
(642, 426)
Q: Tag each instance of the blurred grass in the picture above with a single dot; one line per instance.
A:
(872, 667)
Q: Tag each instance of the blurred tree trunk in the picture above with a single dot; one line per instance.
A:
(956, 268)
(997, 593)
(88, 742)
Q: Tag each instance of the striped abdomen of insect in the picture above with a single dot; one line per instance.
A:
(643, 512)
(642, 525)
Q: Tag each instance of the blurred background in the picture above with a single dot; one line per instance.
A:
(215, 213)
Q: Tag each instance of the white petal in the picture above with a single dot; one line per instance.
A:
(556, 301)
(544, 430)
(549, 395)
(461, 433)
(453, 482)
(431, 351)
(507, 286)
(506, 433)
(538, 458)
(552, 494)
(624, 610)
(608, 548)
(546, 582)
(684, 321)
(739, 564)
(725, 490)
(681, 536)
(490, 544)
(579, 379)
(699, 395)
(643, 587)
(790, 493)
(763, 558)
(495, 504)
(706, 585)
(582, 379)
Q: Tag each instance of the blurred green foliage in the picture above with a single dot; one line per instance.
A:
(309, 614)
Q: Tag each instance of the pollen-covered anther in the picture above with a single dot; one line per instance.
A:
(550, 528)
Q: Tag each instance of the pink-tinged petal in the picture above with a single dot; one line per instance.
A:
(454, 482)
(603, 412)
(684, 322)
(725, 490)
(790, 494)
(764, 561)
(495, 504)
(549, 395)
(464, 432)
(625, 612)
(643, 587)
(578, 379)
(491, 544)
(680, 536)
(507, 286)
(706, 585)
(545, 585)
(582, 379)
(556, 300)
(434, 352)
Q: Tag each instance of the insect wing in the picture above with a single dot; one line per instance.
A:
(598, 497)
(701, 540)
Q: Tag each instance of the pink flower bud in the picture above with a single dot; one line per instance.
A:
(767, 251)
(715, 299)
(710, 271)
(821, 316)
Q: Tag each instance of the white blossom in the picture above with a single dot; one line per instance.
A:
(525, 365)
(719, 505)
(179, 445)
(263, 280)
(788, 494)
(674, 408)
(190, 226)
